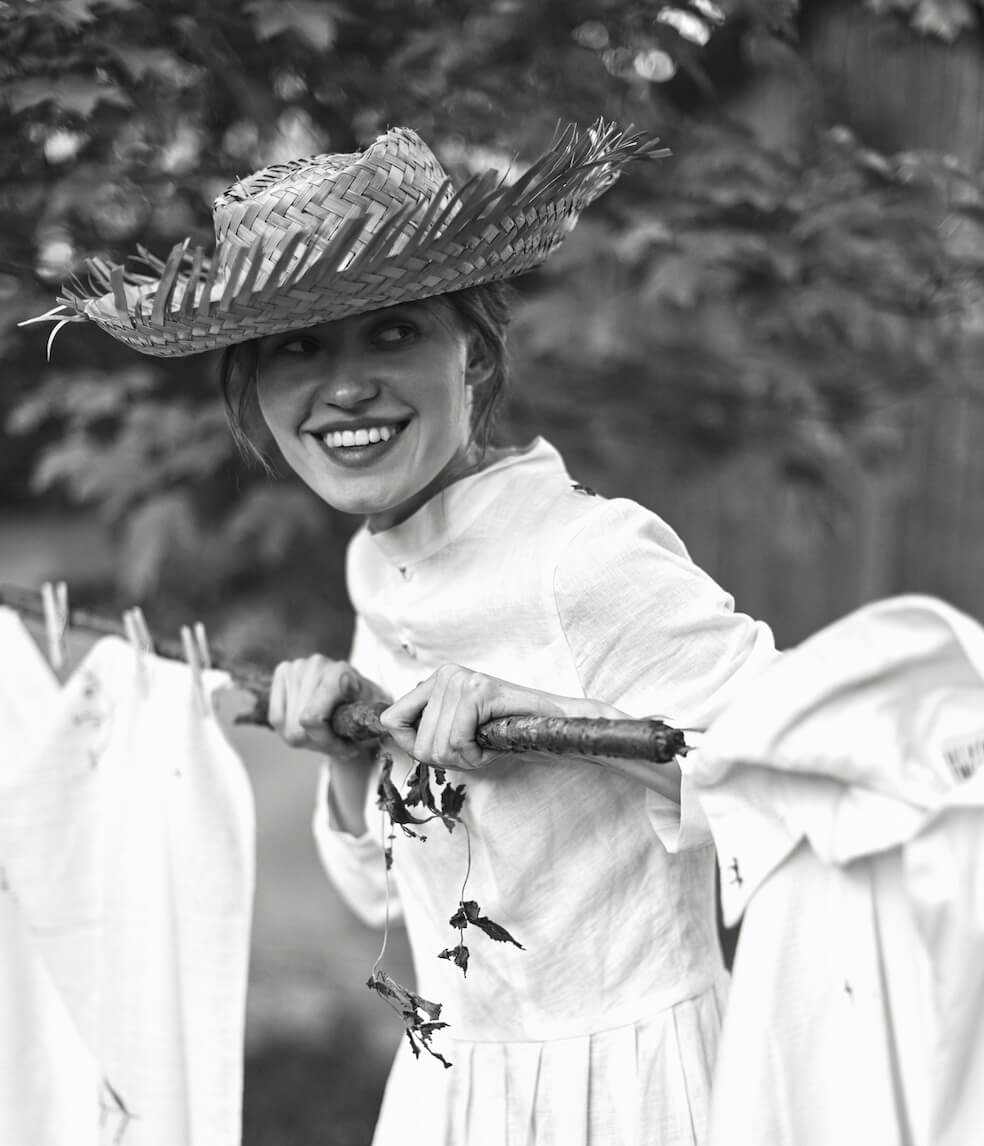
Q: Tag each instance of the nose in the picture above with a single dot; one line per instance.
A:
(346, 383)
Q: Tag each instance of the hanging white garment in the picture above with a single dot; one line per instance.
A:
(49, 1079)
(131, 849)
(845, 792)
(28, 689)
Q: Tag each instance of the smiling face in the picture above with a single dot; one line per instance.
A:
(373, 412)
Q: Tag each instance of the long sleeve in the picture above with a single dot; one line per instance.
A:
(355, 864)
(651, 633)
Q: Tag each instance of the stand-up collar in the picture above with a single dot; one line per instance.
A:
(451, 511)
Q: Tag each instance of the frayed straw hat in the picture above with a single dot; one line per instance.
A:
(316, 239)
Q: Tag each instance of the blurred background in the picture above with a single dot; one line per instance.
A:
(773, 339)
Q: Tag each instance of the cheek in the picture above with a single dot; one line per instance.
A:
(276, 408)
(448, 420)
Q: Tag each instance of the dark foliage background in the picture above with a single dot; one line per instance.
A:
(767, 289)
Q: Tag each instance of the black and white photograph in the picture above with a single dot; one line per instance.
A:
(491, 573)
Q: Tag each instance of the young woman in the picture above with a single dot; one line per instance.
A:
(485, 581)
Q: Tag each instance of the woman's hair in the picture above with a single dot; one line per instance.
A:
(484, 310)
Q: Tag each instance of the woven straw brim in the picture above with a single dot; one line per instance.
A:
(488, 230)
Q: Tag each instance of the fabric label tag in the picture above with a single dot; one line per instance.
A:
(964, 755)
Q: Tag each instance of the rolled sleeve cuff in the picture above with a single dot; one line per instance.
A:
(355, 864)
(682, 827)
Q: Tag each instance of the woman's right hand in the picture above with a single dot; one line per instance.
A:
(303, 695)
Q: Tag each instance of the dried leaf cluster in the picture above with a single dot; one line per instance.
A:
(441, 801)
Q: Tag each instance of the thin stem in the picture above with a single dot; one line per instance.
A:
(464, 882)
(386, 918)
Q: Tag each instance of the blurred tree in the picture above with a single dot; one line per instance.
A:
(771, 286)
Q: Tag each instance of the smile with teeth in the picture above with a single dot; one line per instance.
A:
(365, 436)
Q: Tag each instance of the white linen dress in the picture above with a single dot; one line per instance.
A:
(603, 1030)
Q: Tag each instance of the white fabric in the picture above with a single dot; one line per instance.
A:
(28, 689)
(604, 1029)
(846, 796)
(49, 1080)
(129, 841)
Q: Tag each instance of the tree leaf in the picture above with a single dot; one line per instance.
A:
(72, 14)
(142, 63)
(76, 94)
(945, 19)
(315, 24)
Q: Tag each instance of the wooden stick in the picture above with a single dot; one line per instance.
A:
(651, 740)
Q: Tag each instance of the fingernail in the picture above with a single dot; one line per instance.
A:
(347, 685)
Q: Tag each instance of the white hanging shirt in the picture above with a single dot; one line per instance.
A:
(130, 846)
(49, 1078)
(603, 1029)
(846, 796)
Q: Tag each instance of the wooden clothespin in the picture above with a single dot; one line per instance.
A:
(201, 639)
(140, 621)
(54, 602)
(192, 645)
(138, 634)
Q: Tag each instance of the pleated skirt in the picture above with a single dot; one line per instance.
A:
(643, 1084)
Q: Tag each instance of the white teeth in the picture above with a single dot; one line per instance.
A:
(340, 439)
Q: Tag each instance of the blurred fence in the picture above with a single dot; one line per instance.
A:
(916, 525)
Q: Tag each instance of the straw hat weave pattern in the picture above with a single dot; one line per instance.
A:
(316, 239)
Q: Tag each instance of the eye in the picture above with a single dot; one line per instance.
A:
(393, 333)
(301, 346)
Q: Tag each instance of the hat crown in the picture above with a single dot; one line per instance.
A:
(315, 194)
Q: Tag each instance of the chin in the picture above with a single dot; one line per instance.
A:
(365, 503)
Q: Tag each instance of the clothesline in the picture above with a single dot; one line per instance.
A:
(651, 740)
(251, 677)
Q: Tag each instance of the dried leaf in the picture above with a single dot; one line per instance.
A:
(452, 801)
(409, 1005)
(460, 918)
(389, 799)
(457, 955)
(418, 789)
(496, 931)
(470, 912)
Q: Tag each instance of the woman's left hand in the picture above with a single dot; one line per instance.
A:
(436, 722)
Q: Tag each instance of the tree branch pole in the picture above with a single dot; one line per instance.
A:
(651, 740)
